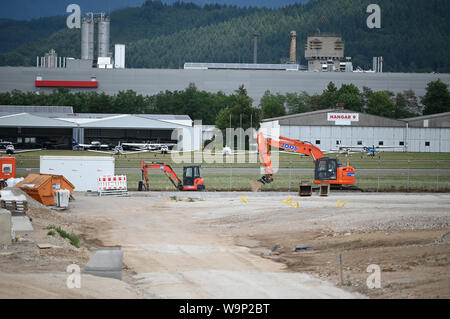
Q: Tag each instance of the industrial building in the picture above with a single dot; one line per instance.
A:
(103, 74)
(331, 128)
(80, 77)
(324, 51)
(57, 126)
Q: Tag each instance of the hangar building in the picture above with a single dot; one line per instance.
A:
(331, 128)
(56, 126)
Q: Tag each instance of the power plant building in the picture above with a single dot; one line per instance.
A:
(324, 51)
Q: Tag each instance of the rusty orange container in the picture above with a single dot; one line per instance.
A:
(42, 187)
(7, 167)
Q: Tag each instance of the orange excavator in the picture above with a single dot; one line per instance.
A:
(192, 181)
(327, 170)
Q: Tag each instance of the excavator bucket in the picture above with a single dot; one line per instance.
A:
(255, 185)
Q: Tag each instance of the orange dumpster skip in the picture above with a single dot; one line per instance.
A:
(41, 187)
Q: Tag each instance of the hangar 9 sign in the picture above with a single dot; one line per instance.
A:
(343, 118)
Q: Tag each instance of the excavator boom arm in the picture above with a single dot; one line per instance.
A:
(166, 169)
(286, 144)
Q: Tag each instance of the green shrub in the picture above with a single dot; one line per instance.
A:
(74, 240)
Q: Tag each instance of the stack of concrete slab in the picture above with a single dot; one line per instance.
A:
(13, 203)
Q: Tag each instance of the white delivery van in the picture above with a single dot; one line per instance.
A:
(82, 171)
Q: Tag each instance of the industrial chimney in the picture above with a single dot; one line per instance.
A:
(255, 47)
(103, 35)
(87, 37)
(293, 52)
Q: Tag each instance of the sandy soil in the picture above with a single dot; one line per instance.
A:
(29, 272)
(215, 245)
(407, 235)
(174, 255)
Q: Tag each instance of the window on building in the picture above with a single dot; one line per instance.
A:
(427, 143)
(401, 143)
(380, 143)
(317, 142)
(338, 142)
(359, 143)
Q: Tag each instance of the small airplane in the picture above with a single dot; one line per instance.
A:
(4, 144)
(368, 150)
(341, 150)
(95, 145)
(10, 149)
(118, 150)
(151, 147)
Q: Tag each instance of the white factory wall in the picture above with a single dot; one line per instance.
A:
(439, 138)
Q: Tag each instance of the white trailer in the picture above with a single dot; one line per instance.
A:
(82, 171)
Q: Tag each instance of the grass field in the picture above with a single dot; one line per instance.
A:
(383, 160)
(283, 182)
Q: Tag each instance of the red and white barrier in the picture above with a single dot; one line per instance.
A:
(112, 183)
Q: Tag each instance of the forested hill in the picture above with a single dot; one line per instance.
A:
(33, 9)
(414, 34)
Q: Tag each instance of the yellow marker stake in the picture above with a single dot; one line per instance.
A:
(244, 199)
(337, 204)
(344, 204)
(291, 204)
(298, 204)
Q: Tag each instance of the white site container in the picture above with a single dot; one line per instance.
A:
(82, 171)
(62, 198)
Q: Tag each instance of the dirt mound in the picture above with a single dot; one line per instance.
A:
(35, 209)
(32, 203)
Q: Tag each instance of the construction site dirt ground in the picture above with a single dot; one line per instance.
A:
(222, 245)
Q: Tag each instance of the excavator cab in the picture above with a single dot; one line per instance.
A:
(326, 169)
(192, 178)
(329, 170)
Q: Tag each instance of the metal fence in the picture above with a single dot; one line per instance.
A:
(371, 174)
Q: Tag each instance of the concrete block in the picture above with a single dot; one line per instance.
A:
(106, 262)
(21, 224)
(5, 227)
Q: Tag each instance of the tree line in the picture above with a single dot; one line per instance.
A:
(383, 103)
(237, 109)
